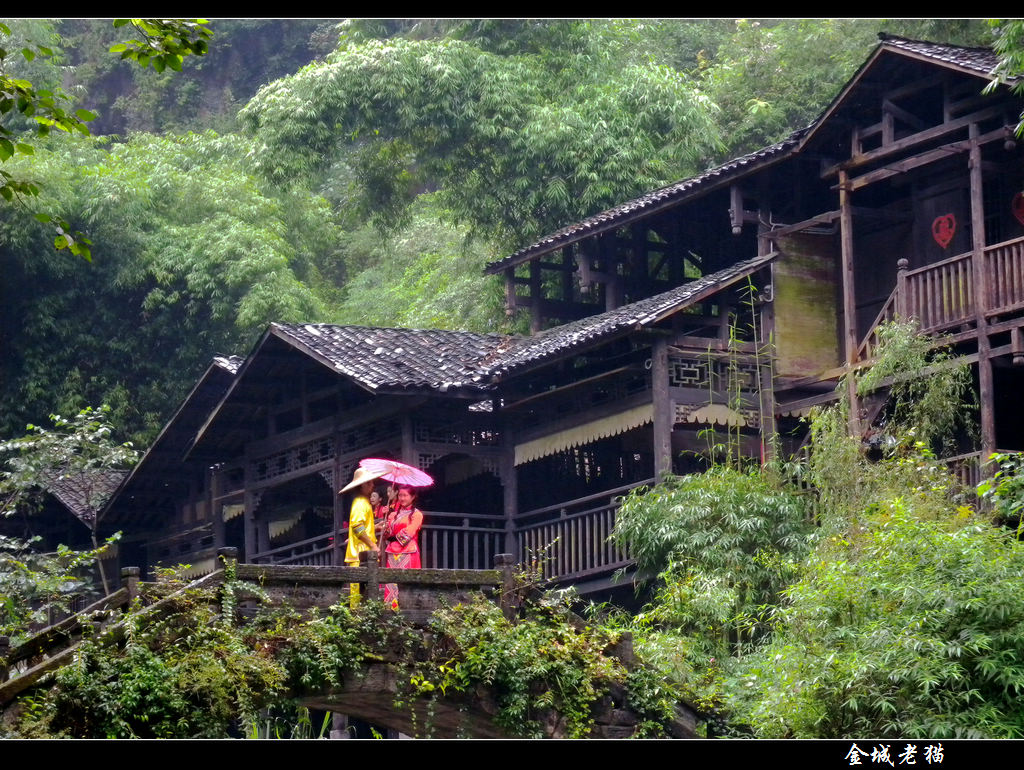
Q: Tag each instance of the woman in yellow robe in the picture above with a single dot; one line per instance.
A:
(361, 535)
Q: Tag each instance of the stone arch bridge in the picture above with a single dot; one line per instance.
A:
(368, 694)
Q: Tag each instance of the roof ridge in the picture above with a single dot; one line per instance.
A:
(886, 37)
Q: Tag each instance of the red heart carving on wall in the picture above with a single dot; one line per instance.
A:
(943, 229)
(1018, 207)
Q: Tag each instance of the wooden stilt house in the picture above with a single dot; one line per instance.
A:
(725, 304)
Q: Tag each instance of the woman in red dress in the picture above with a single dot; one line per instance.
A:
(401, 530)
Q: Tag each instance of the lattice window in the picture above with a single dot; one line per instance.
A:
(436, 432)
(752, 416)
(365, 435)
(687, 373)
(745, 376)
(694, 373)
(294, 459)
(425, 459)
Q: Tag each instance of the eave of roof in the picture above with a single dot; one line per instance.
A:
(652, 202)
(74, 491)
(538, 349)
(386, 360)
(220, 364)
(978, 62)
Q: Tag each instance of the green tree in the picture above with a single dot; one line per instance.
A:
(518, 143)
(426, 275)
(197, 258)
(1009, 45)
(163, 43)
(76, 450)
(909, 626)
(771, 77)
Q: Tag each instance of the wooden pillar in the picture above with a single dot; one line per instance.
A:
(902, 308)
(249, 511)
(262, 535)
(409, 453)
(568, 271)
(766, 341)
(664, 419)
(337, 550)
(536, 292)
(986, 394)
(609, 250)
(130, 580)
(510, 498)
(510, 291)
(849, 304)
(215, 486)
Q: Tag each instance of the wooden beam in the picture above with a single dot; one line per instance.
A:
(821, 219)
(902, 166)
(912, 87)
(530, 399)
(890, 111)
(907, 142)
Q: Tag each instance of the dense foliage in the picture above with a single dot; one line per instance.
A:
(387, 145)
(192, 258)
(194, 672)
(35, 582)
(520, 142)
(898, 616)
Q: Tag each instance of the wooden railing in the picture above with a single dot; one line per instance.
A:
(1004, 268)
(312, 552)
(940, 295)
(461, 540)
(572, 539)
(447, 541)
(870, 344)
(966, 469)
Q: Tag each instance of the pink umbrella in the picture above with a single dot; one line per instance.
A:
(399, 473)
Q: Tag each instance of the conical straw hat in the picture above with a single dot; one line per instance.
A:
(361, 476)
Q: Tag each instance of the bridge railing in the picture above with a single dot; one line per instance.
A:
(297, 586)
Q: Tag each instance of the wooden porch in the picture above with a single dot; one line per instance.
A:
(942, 296)
(568, 541)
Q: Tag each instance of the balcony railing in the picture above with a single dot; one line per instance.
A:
(571, 540)
(447, 541)
(942, 295)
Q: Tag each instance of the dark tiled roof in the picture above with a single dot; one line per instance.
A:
(398, 358)
(229, 363)
(556, 340)
(980, 60)
(619, 215)
(432, 359)
(85, 492)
